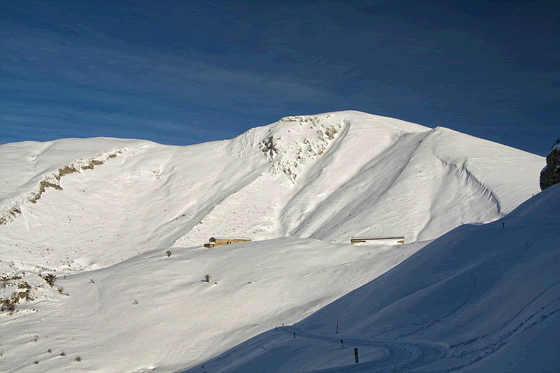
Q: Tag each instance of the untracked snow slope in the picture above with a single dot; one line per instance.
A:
(482, 298)
(107, 210)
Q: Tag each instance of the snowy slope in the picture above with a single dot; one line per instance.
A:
(489, 294)
(478, 289)
(333, 175)
(300, 188)
(154, 311)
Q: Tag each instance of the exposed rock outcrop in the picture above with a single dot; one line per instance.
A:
(550, 174)
(53, 181)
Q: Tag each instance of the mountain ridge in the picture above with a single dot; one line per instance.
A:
(329, 172)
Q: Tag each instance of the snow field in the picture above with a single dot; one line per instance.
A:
(160, 309)
(486, 297)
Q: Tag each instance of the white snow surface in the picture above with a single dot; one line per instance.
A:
(481, 298)
(101, 214)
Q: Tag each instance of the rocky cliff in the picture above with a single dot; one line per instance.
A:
(550, 174)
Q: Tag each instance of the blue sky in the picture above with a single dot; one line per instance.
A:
(185, 72)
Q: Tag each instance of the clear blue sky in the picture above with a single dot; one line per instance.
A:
(184, 72)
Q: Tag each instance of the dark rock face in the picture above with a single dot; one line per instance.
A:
(550, 175)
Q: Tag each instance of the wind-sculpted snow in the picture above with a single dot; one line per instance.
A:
(407, 190)
(369, 177)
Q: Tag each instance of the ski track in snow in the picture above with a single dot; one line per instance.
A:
(401, 356)
(396, 356)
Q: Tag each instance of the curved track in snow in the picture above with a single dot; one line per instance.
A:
(402, 356)
(396, 356)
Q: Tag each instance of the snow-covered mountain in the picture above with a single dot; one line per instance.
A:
(101, 214)
(329, 177)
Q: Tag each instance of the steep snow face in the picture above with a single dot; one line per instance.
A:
(482, 298)
(420, 185)
(343, 174)
(489, 291)
(282, 154)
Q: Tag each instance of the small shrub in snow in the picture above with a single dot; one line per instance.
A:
(9, 304)
(78, 359)
(207, 278)
(50, 279)
(24, 285)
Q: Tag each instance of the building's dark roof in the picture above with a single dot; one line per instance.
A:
(376, 238)
(230, 238)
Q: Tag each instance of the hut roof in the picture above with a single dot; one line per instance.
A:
(376, 238)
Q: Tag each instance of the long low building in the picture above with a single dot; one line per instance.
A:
(377, 240)
(221, 241)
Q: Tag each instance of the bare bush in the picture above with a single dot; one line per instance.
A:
(50, 279)
(8, 304)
